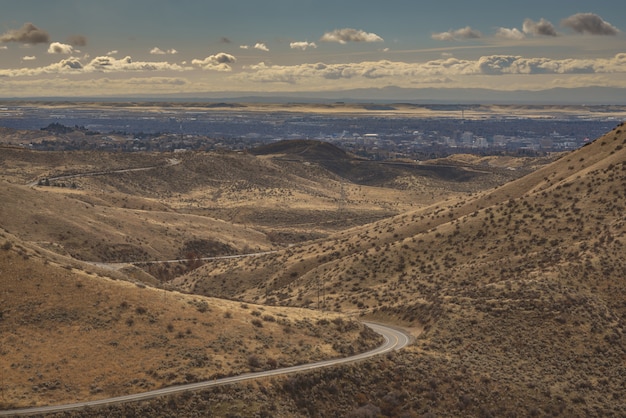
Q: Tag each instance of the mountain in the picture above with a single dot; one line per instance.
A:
(391, 94)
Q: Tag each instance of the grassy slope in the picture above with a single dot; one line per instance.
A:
(89, 228)
(68, 335)
(520, 291)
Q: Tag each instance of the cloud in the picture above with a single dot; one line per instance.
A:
(261, 46)
(27, 34)
(113, 52)
(244, 47)
(446, 68)
(77, 40)
(346, 35)
(110, 64)
(302, 45)
(29, 58)
(71, 63)
(59, 48)
(506, 64)
(589, 23)
(217, 62)
(224, 40)
(458, 34)
(512, 33)
(159, 51)
(541, 28)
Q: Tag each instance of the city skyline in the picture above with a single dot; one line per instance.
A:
(86, 48)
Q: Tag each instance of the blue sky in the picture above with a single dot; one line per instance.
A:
(115, 47)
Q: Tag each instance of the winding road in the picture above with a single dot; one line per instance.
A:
(394, 340)
(170, 162)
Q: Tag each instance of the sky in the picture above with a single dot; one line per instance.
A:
(97, 48)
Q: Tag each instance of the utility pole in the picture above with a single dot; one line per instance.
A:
(318, 293)
(342, 197)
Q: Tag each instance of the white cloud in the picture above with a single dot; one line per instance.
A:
(113, 52)
(302, 45)
(589, 23)
(110, 64)
(458, 34)
(29, 58)
(440, 69)
(159, 51)
(261, 46)
(102, 64)
(346, 35)
(541, 28)
(512, 33)
(217, 62)
(244, 47)
(59, 48)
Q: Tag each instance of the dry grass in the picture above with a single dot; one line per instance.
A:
(209, 204)
(519, 290)
(68, 335)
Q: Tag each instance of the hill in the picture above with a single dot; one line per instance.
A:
(123, 207)
(69, 333)
(515, 287)
(519, 289)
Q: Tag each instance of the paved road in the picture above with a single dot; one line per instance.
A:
(394, 340)
(123, 264)
(170, 162)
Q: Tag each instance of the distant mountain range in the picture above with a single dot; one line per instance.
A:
(557, 96)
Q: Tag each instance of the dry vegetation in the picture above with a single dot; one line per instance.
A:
(519, 289)
(68, 335)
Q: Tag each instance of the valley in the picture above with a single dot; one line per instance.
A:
(511, 282)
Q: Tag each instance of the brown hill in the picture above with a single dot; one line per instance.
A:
(120, 207)
(448, 174)
(520, 291)
(68, 334)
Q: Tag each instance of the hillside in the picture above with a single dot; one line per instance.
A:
(516, 291)
(520, 291)
(122, 207)
(69, 334)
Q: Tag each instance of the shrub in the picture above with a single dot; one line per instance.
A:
(254, 360)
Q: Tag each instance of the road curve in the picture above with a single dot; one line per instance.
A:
(394, 340)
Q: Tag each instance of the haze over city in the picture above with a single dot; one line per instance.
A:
(70, 48)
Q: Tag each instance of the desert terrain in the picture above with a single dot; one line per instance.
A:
(511, 281)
